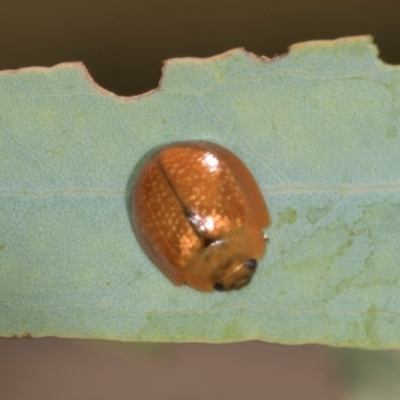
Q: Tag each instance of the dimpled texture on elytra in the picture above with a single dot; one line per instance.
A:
(160, 217)
(207, 189)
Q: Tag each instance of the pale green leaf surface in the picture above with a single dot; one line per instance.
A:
(319, 128)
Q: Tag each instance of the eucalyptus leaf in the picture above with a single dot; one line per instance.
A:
(319, 128)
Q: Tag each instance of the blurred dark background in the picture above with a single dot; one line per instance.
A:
(44, 369)
(123, 44)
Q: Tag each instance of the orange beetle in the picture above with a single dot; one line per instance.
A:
(198, 212)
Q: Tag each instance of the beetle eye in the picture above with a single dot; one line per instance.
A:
(219, 286)
(251, 264)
